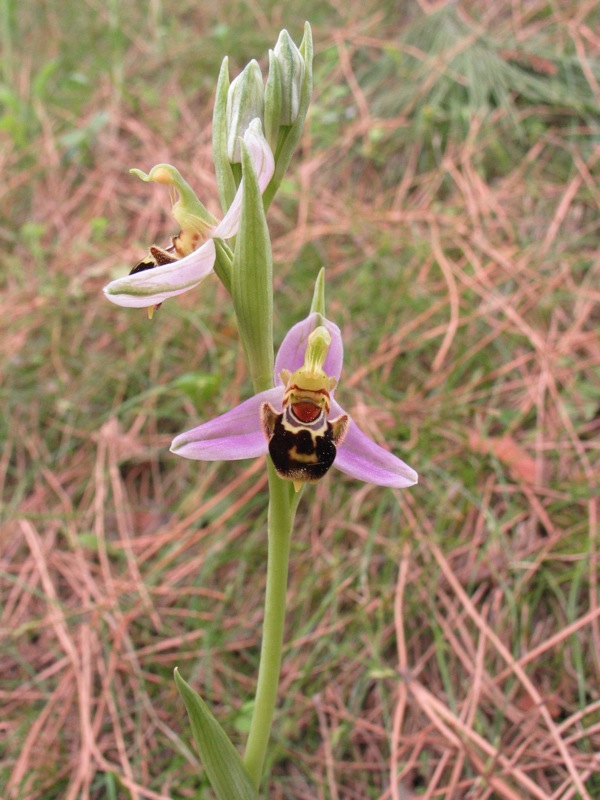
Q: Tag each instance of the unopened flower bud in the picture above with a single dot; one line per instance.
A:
(245, 102)
(292, 67)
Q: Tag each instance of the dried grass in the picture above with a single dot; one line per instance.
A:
(487, 686)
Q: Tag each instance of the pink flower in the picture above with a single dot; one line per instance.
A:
(239, 433)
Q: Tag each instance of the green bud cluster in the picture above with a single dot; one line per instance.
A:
(281, 106)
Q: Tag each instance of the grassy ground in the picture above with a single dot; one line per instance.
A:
(443, 641)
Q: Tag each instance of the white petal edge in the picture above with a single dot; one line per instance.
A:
(153, 286)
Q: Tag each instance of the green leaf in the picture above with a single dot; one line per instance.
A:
(252, 281)
(222, 762)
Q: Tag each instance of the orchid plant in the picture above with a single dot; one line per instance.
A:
(293, 420)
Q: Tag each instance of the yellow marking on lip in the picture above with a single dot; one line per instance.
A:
(303, 458)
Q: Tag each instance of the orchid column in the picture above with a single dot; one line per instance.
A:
(293, 418)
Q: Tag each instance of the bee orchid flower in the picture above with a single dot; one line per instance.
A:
(298, 421)
(166, 272)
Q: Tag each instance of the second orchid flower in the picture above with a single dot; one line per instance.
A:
(190, 258)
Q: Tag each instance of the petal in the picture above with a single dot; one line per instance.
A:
(293, 347)
(361, 458)
(260, 154)
(264, 165)
(152, 286)
(234, 435)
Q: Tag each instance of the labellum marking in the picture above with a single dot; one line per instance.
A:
(157, 257)
(306, 411)
(302, 441)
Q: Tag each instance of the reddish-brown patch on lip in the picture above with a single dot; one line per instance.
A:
(306, 411)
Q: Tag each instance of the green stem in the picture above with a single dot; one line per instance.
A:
(282, 510)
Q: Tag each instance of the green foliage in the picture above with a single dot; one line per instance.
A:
(223, 764)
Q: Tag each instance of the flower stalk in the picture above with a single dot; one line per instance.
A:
(282, 511)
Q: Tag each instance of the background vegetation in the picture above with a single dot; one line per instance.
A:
(444, 641)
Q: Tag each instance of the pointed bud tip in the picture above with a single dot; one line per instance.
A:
(292, 66)
(283, 38)
(254, 66)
